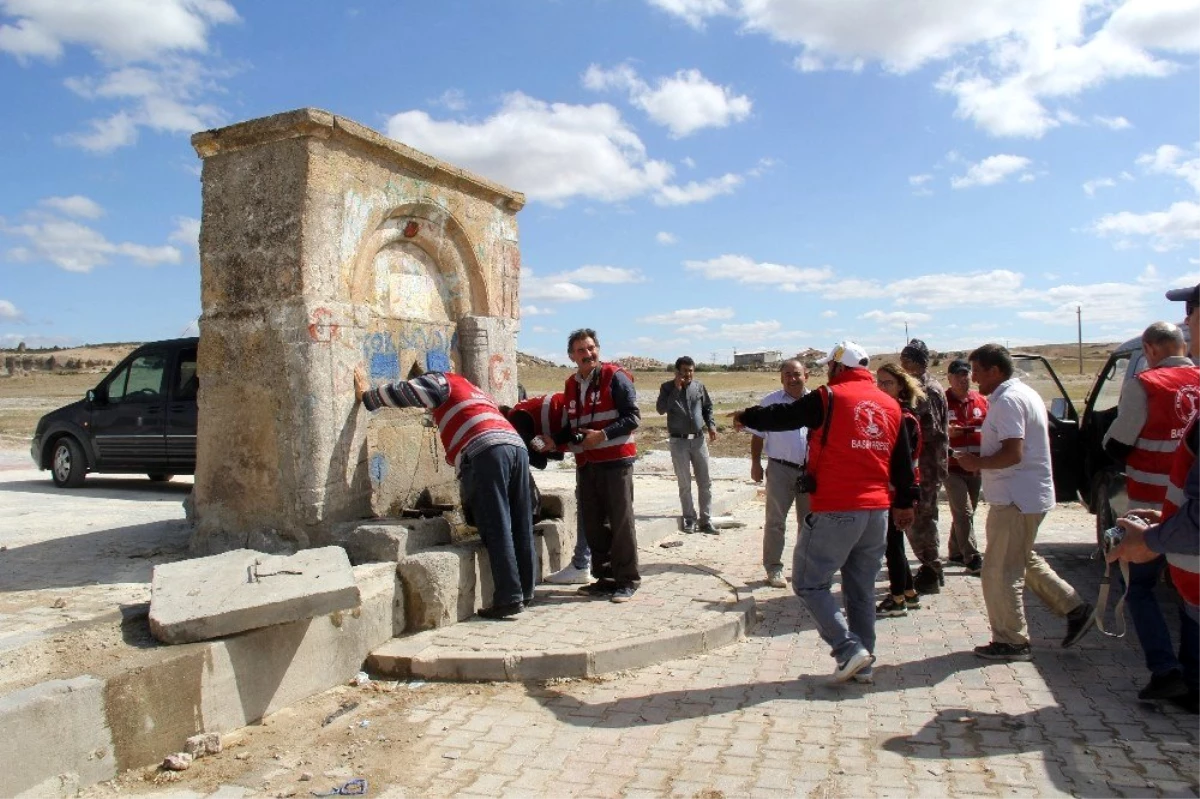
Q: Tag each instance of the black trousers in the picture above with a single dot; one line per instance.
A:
(900, 578)
(606, 518)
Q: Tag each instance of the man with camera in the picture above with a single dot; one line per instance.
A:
(1154, 410)
(785, 451)
(689, 412)
(965, 412)
(1014, 456)
(854, 452)
(602, 414)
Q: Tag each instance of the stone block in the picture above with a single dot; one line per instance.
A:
(56, 740)
(559, 505)
(390, 541)
(439, 586)
(554, 547)
(204, 598)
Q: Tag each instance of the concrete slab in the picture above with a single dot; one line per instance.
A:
(374, 542)
(205, 598)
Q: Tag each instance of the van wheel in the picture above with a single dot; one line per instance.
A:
(68, 467)
(158, 477)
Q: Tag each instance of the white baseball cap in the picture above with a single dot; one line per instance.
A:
(847, 353)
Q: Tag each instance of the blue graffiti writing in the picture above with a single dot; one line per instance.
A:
(380, 353)
(378, 468)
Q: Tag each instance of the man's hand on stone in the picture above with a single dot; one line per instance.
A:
(361, 384)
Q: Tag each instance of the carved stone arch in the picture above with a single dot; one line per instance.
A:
(436, 232)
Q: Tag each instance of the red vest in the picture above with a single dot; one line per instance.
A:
(852, 467)
(466, 413)
(549, 413)
(1172, 397)
(1185, 569)
(596, 411)
(970, 412)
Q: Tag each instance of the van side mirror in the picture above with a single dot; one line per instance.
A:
(90, 396)
(98, 395)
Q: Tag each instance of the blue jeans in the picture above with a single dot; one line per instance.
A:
(496, 483)
(582, 559)
(1148, 620)
(1189, 645)
(854, 543)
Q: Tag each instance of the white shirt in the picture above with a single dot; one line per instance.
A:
(1017, 411)
(788, 445)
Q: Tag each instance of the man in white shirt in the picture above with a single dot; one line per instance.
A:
(1019, 485)
(785, 452)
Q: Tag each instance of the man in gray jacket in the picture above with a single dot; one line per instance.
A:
(690, 424)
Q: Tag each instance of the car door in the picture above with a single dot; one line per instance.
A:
(1036, 372)
(181, 413)
(1099, 412)
(128, 418)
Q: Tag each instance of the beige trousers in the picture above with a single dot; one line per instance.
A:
(1009, 563)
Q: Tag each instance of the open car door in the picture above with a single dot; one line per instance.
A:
(1036, 372)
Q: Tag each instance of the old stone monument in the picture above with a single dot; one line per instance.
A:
(323, 246)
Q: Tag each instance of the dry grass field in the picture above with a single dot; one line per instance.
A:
(25, 398)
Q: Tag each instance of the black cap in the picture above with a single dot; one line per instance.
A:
(916, 351)
(1189, 295)
(959, 367)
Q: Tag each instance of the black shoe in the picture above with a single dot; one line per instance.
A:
(501, 611)
(707, 527)
(974, 566)
(1010, 652)
(928, 580)
(1164, 686)
(957, 560)
(1079, 621)
(890, 608)
(1190, 702)
(599, 588)
(689, 525)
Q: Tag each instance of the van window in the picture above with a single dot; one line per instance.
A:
(140, 381)
(1110, 384)
(186, 381)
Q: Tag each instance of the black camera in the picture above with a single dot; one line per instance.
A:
(806, 482)
(1111, 538)
(576, 437)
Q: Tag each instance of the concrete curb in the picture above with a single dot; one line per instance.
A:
(418, 656)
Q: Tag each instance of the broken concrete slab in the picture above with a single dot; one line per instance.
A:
(205, 598)
(439, 586)
(392, 540)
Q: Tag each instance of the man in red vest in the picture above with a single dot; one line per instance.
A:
(602, 414)
(965, 412)
(854, 453)
(537, 420)
(492, 465)
(1154, 411)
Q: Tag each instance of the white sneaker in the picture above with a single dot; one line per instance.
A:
(852, 665)
(775, 579)
(570, 576)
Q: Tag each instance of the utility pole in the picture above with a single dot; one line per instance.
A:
(906, 339)
(1079, 333)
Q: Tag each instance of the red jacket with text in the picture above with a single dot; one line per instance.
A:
(852, 467)
(1185, 569)
(467, 412)
(594, 409)
(1172, 398)
(969, 412)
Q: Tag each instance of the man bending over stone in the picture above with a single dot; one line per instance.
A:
(492, 464)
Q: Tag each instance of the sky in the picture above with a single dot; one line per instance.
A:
(702, 176)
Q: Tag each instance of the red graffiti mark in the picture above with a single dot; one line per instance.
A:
(498, 373)
(321, 327)
(410, 230)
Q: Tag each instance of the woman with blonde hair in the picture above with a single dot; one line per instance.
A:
(907, 390)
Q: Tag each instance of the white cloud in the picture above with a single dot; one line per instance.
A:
(553, 152)
(78, 248)
(452, 100)
(599, 274)
(829, 314)
(692, 330)
(187, 233)
(684, 103)
(663, 237)
(1090, 186)
(744, 270)
(1112, 123)
(75, 205)
(153, 52)
(1100, 302)
(991, 170)
(1169, 159)
(116, 30)
(750, 330)
(1004, 60)
(8, 312)
(536, 310)
(919, 180)
(694, 12)
(1166, 230)
(958, 290)
(896, 319)
(551, 290)
(687, 316)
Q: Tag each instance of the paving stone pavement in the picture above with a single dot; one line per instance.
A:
(760, 718)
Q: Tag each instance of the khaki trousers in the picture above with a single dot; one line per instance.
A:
(1009, 563)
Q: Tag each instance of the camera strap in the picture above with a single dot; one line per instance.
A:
(1102, 600)
(824, 428)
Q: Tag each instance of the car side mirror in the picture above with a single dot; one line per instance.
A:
(1059, 408)
(97, 396)
(90, 396)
